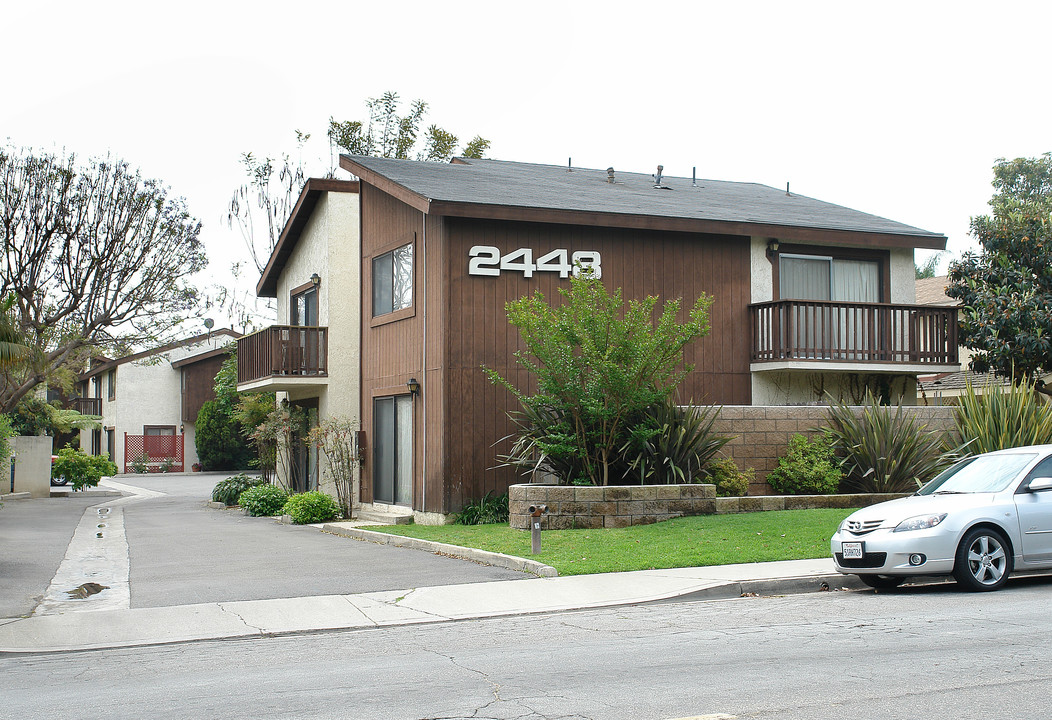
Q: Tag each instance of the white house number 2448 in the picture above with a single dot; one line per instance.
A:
(487, 260)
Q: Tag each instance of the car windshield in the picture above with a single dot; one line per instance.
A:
(985, 473)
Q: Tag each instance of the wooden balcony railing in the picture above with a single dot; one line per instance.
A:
(85, 406)
(853, 332)
(281, 351)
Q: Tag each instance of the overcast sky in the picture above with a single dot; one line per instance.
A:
(898, 109)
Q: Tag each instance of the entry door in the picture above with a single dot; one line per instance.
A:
(393, 450)
(1035, 517)
(304, 456)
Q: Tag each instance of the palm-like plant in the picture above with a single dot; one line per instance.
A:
(999, 419)
(883, 449)
(13, 346)
(672, 444)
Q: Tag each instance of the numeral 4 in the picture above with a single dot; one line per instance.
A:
(555, 261)
(511, 261)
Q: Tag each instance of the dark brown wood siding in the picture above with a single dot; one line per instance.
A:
(199, 385)
(670, 265)
(392, 347)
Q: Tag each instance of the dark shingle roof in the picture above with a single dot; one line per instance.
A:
(498, 183)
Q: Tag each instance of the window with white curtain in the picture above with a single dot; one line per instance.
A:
(820, 331)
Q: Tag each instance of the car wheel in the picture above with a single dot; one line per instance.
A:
(882, 582)
(59, 481)
(983, 561)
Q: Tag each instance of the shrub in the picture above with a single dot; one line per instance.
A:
(809, 467)
(729, 479)
(263, 500)
(485, 511)
(229, 490)
(998, 419)
(311, 507)
(220, 444)
(80, 469)
(884, 450)
(6, 432)
(671, 444)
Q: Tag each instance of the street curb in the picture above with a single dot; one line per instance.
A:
(484, 557)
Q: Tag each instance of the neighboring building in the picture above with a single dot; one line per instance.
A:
(421, 258)
(945, 388)
(151, 399)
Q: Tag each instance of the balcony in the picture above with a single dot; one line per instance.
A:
(860, 337)
(85, 406)
(283, 357)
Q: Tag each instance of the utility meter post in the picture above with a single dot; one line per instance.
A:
(535, 526)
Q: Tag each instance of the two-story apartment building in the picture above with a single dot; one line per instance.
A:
(150, 399)
(417, 260)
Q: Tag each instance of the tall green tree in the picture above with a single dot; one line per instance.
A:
(599, 364)
(1005, 290)
(95, 258)
(388, 134)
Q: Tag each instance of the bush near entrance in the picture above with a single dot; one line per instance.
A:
(80, 469)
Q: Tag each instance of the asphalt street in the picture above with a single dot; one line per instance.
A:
(919, 652)
(182, 551)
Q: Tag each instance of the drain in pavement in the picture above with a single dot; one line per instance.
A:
(86, 590)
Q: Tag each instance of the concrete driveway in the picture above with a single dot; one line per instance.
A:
(180, 551)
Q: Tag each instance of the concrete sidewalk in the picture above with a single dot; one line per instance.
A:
(262, 618)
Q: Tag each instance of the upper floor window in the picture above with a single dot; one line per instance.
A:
(304, 309)
(111, 384)
(813, 277)
(393, 280)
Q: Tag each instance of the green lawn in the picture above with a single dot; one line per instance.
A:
(685, 542)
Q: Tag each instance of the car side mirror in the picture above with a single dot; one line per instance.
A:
(1039, 484)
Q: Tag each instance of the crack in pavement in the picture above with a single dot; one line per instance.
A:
(240, 617)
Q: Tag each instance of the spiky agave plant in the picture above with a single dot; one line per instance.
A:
(672, 444)
(883, 449)
(999, 419)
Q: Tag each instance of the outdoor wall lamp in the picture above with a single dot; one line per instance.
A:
(413, 385)
(772, 247)
(315, 279)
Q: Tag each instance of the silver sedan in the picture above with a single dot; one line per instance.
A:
(979, 521)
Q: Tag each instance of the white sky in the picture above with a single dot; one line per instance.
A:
(895, 108)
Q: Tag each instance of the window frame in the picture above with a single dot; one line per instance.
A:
(304, 291)
(401, 312)
(882, 258)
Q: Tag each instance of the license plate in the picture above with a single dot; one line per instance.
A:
(851, 550)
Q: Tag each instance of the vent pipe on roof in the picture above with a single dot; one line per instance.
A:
(609, 174)
(657, 178)
(694, 177)
(787, 188)
(569, 164)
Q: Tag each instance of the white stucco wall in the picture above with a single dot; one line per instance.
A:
(149, 392)
(329, 245)
(809, 388)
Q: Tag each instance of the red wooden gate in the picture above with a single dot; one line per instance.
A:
(153, 453)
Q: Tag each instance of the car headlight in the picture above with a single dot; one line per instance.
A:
(920, 522)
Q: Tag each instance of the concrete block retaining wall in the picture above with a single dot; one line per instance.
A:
(761, 433)
(614, 506)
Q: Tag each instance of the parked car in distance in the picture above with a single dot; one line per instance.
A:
(980, 520)
(61, 479)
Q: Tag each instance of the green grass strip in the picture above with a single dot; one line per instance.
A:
(684, 542)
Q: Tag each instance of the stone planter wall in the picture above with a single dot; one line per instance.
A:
(761, 433)
(614, 506)
(588, 506)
